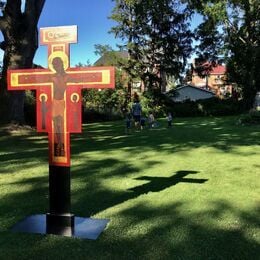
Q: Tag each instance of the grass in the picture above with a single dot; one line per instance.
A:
(190, 192)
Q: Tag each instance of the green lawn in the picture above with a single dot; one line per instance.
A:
(190, 192)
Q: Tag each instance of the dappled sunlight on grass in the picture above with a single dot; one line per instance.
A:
(189, 134)
(189, 192)
(177, 229)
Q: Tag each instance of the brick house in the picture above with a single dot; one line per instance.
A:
(214, 81)
(116, 58)
(113, 58)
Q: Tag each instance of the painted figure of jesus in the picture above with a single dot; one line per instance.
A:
(59, 79)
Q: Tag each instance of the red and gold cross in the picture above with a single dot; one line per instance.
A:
(58, 90)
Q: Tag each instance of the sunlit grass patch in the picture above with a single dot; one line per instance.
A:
(189, 192)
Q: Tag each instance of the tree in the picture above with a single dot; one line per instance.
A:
(157, 36)
(203, 67)
(109, 100)
(19, 29)
(231, 28)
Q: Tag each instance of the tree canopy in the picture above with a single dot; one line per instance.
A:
(156, 35)
(231, 28)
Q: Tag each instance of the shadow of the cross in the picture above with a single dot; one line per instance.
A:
(160, 183)
(104, 198)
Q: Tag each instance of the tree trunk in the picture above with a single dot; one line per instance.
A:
(21, 58)
(20, 44)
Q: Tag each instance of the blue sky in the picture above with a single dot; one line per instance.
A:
(91, 17)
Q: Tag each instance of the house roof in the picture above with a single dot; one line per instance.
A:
(219, 69)
(105, 58)
(194, 87)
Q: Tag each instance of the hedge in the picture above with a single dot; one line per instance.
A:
(205, 107)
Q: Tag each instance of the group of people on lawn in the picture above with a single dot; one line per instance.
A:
(140, 120)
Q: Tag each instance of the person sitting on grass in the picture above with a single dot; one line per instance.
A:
(143, 120)
(151, 120)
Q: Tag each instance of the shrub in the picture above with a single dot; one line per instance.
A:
(252, 118)
(94, 115)
(205, 107)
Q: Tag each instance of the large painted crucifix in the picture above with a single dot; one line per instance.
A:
(58, 99)
(58, 90)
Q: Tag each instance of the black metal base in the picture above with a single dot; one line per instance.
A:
(65, 225)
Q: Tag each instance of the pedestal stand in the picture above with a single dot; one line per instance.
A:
(59, 221)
